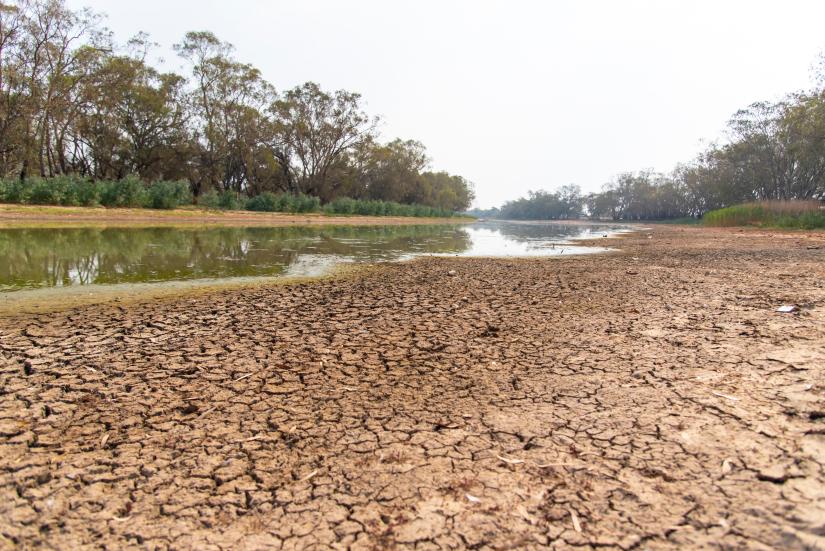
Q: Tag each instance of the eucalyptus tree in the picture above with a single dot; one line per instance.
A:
(74, 101)
(12, 88)
(133, 121)
(802, 129)
(229, 122)
(399, 171)
(602, 204)
(392, 171)
(443, 190)
(46, 53)
(315, 130)
(59, 48)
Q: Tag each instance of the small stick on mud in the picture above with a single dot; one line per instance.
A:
(575, 518)
(725, 396)
(210, 410)
(511, 461)
(250, 439)
(242, 377)
(310, 475)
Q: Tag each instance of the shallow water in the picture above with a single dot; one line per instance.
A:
(72, 257)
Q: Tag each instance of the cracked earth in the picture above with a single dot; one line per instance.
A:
(646, 399)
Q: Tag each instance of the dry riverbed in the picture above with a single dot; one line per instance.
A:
(651, 398)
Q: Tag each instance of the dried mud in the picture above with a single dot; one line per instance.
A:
(647, 399)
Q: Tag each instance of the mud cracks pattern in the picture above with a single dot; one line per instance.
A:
(647, 399)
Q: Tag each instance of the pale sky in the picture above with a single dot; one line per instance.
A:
(518, 95)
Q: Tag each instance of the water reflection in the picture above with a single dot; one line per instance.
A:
(533, 238)
(59, 257)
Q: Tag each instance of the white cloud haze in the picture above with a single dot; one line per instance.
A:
(518, 95)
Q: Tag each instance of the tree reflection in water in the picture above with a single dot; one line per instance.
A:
(51, 257)
(61, 257)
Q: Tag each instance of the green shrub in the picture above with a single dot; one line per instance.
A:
(223, 200)
(265, 202)
(132, 192)
(345, 205)
(284, 202)
(45, 192)
(80, 192)
(303, 203)
(208, 199)
(60, 190)
(128, 192)
(168, 195)
(16, 191)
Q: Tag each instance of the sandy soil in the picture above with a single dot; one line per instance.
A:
(646, 399)
(27, 215)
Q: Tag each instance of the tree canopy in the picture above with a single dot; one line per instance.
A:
(74, 102)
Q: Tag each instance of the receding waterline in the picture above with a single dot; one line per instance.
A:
(89, 258)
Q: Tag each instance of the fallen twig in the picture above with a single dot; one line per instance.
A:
(511, 461)
(210, 410)
(727, 397)
(310, 475)
(575, 518)
(250, 439)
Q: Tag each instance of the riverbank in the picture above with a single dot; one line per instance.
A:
(50, 216)
(652, 397)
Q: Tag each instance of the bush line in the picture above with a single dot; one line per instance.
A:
(131, 192)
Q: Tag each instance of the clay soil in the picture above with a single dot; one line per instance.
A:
(646, 399)
(26, 215)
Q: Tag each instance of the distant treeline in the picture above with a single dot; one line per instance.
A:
(775, 151)
(73, 102)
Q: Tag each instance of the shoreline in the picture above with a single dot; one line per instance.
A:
(38, 300)
(652, 396)
(16, 216)
(53, 300)
(44, 300)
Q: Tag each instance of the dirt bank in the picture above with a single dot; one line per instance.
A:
(25, 215)
(647, 399)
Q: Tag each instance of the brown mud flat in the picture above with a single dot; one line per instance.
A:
(26, 215)
(646, 399)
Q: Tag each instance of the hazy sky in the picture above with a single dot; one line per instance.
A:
(518, 95)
